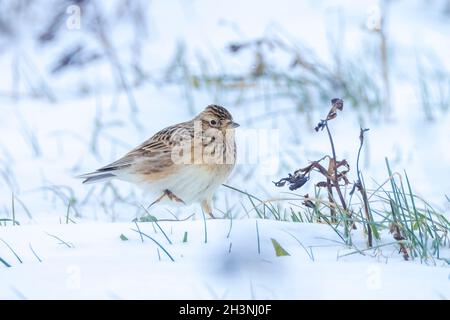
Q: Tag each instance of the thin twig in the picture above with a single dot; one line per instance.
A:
(335, 178)
(359, 185)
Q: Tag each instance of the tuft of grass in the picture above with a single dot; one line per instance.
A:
(305, 82)
(419, 230)
(66, 194)
(185, 237)
(123, 237)
(254, 200)
(433, 86)
(153, 219)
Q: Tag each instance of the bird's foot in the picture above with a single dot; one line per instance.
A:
(211, 215)
(206, 207)
(172, 196)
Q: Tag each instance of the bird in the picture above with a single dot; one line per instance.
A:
(183, 164)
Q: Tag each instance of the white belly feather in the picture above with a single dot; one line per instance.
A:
(192, 183)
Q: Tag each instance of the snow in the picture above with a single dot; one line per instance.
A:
(44, 145)
(101, 265)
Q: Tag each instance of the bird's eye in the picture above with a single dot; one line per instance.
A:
(213, 122)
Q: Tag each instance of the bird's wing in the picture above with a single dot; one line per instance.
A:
(156, 152)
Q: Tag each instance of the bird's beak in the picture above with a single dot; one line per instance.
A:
(233, 125)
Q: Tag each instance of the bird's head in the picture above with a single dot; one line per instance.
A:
(216, 117)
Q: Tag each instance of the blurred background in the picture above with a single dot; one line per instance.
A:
(84, 81)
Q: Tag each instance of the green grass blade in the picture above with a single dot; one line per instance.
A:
(279, 250)
(156, 242)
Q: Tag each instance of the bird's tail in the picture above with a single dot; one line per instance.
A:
(97, 176)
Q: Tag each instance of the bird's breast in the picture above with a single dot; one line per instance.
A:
(196, 180)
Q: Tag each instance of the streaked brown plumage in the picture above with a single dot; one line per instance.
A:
(184, 163)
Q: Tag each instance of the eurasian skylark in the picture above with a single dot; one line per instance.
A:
(183, 163)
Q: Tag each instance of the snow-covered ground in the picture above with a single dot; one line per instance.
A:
(43, 145)
(98, 264)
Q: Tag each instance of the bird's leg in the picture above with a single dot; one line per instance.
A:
(157, 200)
(173, 197)
(207, 208)
(168, 194)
